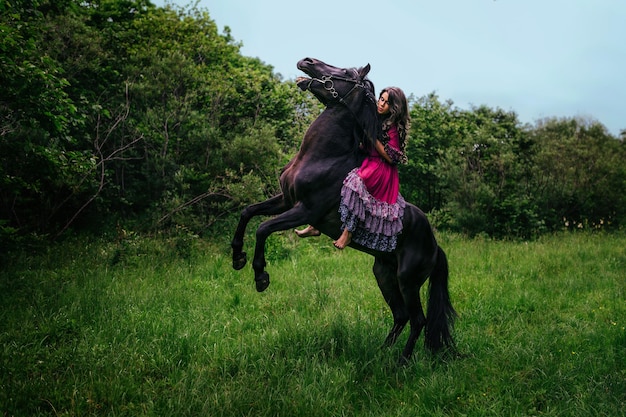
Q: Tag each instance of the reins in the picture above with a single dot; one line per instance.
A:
(329, 85)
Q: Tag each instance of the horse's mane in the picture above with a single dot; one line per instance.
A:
(370, 124)
(367, 116)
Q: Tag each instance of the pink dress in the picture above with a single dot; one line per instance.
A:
(371, 204)
(379, 176)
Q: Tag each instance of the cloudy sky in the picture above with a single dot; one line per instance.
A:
(538, 58)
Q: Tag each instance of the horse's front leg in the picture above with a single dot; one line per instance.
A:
(274, 205)
(293, 217)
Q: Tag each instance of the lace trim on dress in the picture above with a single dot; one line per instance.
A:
(374, 224)
(397, 156)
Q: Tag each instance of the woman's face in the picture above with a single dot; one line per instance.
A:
(383, 103)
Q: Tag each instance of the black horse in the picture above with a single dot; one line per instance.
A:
(311, 186)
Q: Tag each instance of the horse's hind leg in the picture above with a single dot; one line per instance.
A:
(274, 205)
(385, 273)
(410, 280)
(417, 319)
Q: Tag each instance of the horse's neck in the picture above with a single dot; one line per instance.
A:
(330, 135)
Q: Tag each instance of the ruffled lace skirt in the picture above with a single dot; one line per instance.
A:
(374, 224)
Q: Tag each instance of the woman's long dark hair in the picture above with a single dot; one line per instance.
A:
(398, 114)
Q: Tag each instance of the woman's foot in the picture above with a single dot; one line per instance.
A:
(344, 240)
(307, 232)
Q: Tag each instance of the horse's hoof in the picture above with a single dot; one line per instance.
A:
(262, 282)
(389, 341)
(403, 361)
(239, 261)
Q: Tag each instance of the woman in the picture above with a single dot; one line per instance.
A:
(371, 206)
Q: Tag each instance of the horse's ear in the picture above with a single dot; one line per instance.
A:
(364, 71)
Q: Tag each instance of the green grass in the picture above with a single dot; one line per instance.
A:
(167, 328)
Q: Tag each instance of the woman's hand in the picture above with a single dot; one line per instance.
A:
(380, 148)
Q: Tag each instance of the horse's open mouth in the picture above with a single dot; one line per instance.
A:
(303, 82)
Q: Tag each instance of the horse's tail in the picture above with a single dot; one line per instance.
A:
(440, 315)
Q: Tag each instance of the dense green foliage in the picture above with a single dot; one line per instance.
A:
(121, 112)
(481, 171)
(165, 327)
(117, 111)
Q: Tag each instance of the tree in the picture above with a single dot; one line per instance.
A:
(39, 160)
(580, 175)
(470, 169)
(434, 127)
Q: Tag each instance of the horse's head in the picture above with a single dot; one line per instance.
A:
(346, 86)
(331, 84)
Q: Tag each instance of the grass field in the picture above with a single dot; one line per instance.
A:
(156, 327)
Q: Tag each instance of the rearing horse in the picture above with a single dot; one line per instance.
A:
(311, 189)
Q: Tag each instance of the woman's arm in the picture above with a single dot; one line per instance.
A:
(389, 151)
(381, 150)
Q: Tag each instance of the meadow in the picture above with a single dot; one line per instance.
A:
(165, 327)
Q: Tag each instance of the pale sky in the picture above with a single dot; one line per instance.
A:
(538, 58)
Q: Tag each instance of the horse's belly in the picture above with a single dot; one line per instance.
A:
(312, 182)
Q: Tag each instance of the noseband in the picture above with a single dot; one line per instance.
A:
(329, 85)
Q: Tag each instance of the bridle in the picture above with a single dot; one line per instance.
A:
(329, 85)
